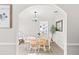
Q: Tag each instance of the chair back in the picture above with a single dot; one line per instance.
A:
(42, 41)
(33, 42)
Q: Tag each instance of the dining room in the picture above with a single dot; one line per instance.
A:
(41, 30)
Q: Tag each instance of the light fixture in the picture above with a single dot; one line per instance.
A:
(35, 18)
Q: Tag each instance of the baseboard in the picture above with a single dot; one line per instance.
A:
(59, 44)
(73, 44)
(7, 43)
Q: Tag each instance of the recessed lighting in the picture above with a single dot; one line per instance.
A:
(56, 11)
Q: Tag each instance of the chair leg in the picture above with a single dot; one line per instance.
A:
(44, 48)
(49, 47)
(35, 50)
(38, 50)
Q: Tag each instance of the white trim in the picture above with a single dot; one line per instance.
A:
(7, 43)
(73, 44)
(59, 44)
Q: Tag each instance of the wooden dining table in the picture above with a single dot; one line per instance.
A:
(37, 43)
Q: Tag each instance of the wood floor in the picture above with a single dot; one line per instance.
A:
(55, 50)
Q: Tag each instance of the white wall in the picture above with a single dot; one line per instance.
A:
(30, 28)
(8, 37)
(73, 28)
(61, 37)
